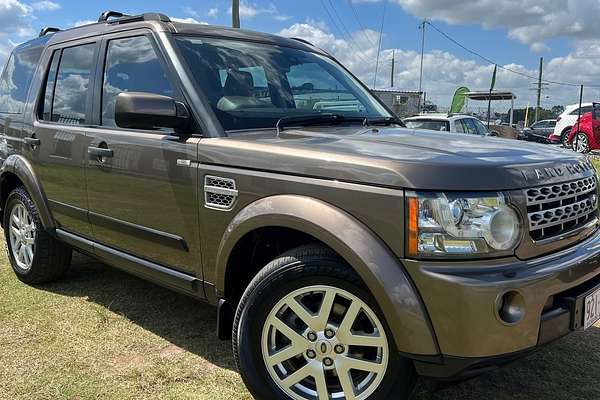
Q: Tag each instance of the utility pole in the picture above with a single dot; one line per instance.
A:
(422, 27)
(235, 13)
(393, 64)
(539, 90)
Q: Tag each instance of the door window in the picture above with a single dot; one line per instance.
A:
(481, 128)
(46, 113)
(132, 65)
(16, 77)
(458, 126)
(70, 100)
(470, 126)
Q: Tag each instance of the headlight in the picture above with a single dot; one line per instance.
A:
(461, 224)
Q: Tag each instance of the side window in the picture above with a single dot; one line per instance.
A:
(470, 126)
(131, 66)
(72, 83)
(584, 109)
(481, 128)
(15, 80)
(458, 126)
(245, 81)
(46, 113)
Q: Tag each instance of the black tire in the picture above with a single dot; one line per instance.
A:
(51, 258)
(302, 267)
(564, 139)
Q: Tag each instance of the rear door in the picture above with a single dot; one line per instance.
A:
(143, 190)
(62, 120)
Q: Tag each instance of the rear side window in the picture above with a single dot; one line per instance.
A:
(70, 100)
(16, 78)
(49, 90)
(132, 65)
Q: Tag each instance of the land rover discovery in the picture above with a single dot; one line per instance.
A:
(346, 254)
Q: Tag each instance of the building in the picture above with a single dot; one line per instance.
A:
(402, 103)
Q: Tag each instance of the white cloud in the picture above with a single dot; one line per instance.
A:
(444, 72)
(189, 20)
(529, 21)
(212, 12)
(15, 18)
(251, 10)
(45, 5)
(84, 22)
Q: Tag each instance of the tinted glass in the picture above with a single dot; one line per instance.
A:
(481, 128)
(470, 126)
(252, 85)
(16, 78)
(49, 90)
(131, 66)
(72, 84)
(431, 124)
(585, 109)
(550, 124)
(458, 126)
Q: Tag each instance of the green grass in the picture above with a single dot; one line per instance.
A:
(102, 334)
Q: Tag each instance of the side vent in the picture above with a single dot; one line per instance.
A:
(219, 193)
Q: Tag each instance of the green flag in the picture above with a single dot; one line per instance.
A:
(494, 78)
(458, 101)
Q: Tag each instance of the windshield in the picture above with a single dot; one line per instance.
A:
(431, 124)
(251, 85)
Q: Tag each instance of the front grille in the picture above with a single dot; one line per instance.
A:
(557, 209)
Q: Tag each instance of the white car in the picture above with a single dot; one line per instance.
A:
(458, 123)
(565, 122)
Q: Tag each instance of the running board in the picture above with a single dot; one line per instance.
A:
(145, 269)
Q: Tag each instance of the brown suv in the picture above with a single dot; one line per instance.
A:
(346, 254)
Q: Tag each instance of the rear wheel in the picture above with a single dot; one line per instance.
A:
(307, 329)
(35, 256)
(581, 143)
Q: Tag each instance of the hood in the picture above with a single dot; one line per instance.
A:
(399, 157)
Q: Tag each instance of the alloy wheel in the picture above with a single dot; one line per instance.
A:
(322, 342)
(581, 144)
(565, 140)
(22, 236)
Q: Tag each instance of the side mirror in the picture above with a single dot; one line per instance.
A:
(140, 110)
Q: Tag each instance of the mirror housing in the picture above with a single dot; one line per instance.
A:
(141, 110)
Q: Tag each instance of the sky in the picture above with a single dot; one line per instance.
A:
(511, 33)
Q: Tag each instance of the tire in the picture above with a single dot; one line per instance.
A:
(564, 139)
(35, 256)
(581, 143)
(315, 272)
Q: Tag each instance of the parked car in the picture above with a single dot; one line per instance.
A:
(345, 254)
(449, 123)
(585, 136)
(565, 122)
(539, 131)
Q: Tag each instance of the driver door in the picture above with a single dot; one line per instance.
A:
(141, 187)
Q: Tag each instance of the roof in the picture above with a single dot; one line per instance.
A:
(162, 23)
(494, 95)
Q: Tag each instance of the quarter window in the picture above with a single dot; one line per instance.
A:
(49, 90)
(15, 80)
(72, 84)
(132, 65)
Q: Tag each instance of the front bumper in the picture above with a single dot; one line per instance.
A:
(462, 302)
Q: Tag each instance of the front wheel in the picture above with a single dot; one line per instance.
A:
(307, 329)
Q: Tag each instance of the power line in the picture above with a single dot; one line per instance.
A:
(500, 66)
(379, 46)
(360, 23)
(348, 38)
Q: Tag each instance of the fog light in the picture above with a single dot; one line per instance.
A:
(510, 307)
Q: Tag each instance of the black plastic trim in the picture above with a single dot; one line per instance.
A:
(139, 231)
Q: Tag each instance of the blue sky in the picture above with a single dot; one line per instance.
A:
(510, 32)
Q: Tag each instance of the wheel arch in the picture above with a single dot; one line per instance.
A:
(371, 259)
(15, 170)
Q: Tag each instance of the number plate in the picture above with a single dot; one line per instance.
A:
(591, 312)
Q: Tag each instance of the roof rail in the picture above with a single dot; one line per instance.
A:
(120, 18)
(303, 41)
(48, 29)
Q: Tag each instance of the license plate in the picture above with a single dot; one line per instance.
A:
(591, 313)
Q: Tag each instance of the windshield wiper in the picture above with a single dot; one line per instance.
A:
(315, 119)
(385, 121)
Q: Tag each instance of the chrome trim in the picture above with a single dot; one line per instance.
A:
(219, 193)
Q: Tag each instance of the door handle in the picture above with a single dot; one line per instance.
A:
(32, 141)
(100, 152)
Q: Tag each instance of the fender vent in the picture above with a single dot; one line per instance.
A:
(219, 193)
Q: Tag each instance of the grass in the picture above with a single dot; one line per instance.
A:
(102, 334)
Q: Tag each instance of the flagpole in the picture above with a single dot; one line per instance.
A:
(490, 97)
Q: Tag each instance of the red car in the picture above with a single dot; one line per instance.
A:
(585, 136)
